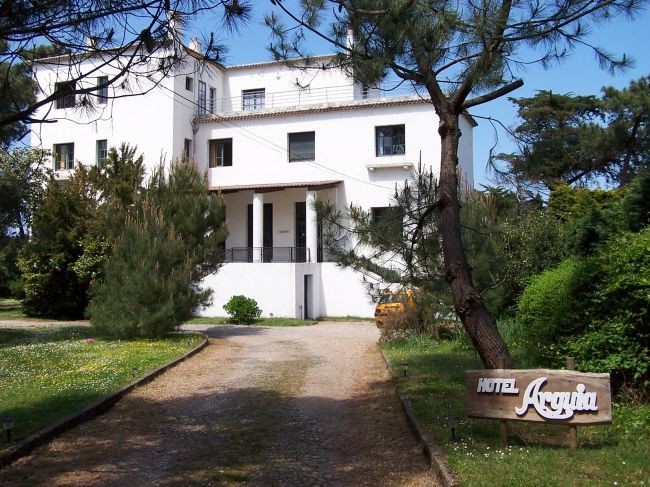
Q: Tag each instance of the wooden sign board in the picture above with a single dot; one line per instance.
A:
(548, 396)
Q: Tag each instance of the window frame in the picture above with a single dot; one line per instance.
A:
(212, 99)
(66, 100)
(98, 150)
(379, 149)
(102, 93)
(69, 160)
(189, 84)
(223, 160)
(202, 100)
(253, 99)
(187, 149)
(291, 153)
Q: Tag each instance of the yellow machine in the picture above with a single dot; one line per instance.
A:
(393, 305)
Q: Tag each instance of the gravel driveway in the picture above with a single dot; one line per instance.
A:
(259, 406)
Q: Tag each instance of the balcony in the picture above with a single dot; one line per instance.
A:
(273, 254)
(255, 100)
(267, 254)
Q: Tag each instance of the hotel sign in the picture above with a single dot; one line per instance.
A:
(550, 396)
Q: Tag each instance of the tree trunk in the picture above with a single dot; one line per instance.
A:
(468, 303)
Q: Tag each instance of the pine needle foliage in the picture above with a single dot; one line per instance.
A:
(170, 240)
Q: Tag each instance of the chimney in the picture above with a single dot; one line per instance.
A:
(350, 38)
(195, 45)
(176, 26)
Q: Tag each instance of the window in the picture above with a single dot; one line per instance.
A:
(63, 156)
(252, 99)
(187, 149)
(202, 101)
(302, 146)
(189, 83)
(220, 153)
(365, 90)
(386, 221)
(102, 93)
(67, 97)
(102, 151)
(378, 213)
(390, 140)
(213, 100)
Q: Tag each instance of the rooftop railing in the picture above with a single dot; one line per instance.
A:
(261, 100)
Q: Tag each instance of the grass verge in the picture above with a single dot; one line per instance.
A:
(614, 454)
(347, 318)
(49, 373)
(14, 314)
(221, 320)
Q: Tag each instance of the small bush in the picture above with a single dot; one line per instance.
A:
(145, 290)
(551, 309)
(595, 309)
(243, 310)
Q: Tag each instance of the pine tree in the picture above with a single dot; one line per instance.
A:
(167, 243)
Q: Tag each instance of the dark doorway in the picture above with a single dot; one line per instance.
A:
(301, 232)
(267, 233)
(249, 237)
(307, 296)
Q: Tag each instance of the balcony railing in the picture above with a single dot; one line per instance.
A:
(267, 254)
(299, 97)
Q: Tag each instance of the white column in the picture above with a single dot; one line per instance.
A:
(258, 223)
(312, 226)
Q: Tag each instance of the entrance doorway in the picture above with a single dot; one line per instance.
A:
(307, 297)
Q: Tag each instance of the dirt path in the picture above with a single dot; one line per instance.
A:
(259, 406)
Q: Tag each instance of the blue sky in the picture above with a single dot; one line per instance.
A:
(580, 74)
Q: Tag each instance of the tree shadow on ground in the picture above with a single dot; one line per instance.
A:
(258, 436)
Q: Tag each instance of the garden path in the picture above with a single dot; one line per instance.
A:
(261, 406)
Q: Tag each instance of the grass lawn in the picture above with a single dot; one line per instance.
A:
(221, 320)
(15, 314)
(47, 373)
(9, 302)
(348, 318)
(614, 454)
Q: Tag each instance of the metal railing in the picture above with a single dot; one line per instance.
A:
(302, 97)
(267, 254)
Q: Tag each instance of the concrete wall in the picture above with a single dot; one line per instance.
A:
(344, 142)
(155, 118)
(279, 289)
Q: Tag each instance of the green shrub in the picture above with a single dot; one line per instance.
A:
(596, 310)
(72, 233)
(618, 338)
(550, 309)
(145, 289)
(52, 287)
(166, 246)
(243, 310)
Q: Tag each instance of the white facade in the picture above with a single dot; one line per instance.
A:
(272, 139)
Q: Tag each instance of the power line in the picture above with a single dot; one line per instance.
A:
(221, 120)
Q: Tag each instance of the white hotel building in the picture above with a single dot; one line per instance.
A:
(272, 139)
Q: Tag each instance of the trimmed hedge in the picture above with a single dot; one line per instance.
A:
(595, 309)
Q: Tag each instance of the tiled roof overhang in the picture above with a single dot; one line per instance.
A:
(272, 187)
(306, 110)
(288, 62)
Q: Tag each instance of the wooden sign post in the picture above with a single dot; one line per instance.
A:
(573, 429)
(539, 395)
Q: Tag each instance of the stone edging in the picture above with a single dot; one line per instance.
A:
(13, 453)
(436, 457)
